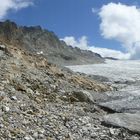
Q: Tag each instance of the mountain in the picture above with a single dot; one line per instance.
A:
(43, 42)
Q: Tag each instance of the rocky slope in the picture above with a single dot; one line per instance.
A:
(39, 101)
(46, 43)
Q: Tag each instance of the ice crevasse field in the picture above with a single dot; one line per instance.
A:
(115, 70)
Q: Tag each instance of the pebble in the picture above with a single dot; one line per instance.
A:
(6, 108)
(35, 135)
(112, 131)
(14, 98)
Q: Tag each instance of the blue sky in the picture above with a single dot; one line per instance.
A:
(66, 18)
(69, 18)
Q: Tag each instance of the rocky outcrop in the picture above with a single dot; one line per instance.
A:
(125, 104)
(82, 96)
(125, 120)
(43, 42)
(126, 100)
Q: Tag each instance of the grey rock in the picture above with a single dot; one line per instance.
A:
(2, 50)
(1, 125)
(134, 138)
(129, 105)
(122, 101)
(5, 108)
(28, 138)
(14, 98)
(83, 96)
(35, 135)
(125, 120)
(2, 47)
(1, 53)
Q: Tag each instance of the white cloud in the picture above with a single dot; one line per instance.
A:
(122, 23)
(82, 43)
(6, 5)
(105, 52)
(94, 10)
(119, 22)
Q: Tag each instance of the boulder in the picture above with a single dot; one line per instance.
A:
(122, 101)
(125, 120)
(127, 105)
(2, 49)
(82, 96)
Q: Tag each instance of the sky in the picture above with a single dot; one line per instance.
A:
(108, 27)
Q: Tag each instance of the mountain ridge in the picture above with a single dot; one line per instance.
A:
(43, 42)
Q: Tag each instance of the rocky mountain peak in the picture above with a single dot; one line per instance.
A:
(7, 30)
(35, 40)
(9, 25)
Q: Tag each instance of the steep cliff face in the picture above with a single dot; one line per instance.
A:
(46, 43)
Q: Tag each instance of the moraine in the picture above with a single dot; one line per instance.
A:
(125, 102)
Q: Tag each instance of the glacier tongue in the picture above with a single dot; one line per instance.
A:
(125, 102)
(115, 70)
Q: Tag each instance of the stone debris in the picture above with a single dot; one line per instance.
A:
(39, 101)
(125, 120)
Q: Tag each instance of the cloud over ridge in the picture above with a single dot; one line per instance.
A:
(7, 5)
(122, 23)
(119, 22)
(82, 43)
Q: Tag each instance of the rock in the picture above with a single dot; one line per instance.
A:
(128, 105)
(1, 98)
(88, 84)
(14, 98)
(2, 47)
(125, 120)
(134, 138)
(112, 131)
(29, 91)
(1, 125)
(2, 50)
(35, 135)
(28, 138)
(41, 136)
(1, 53)
(83, 96)
(5, 108)
(122, 101)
